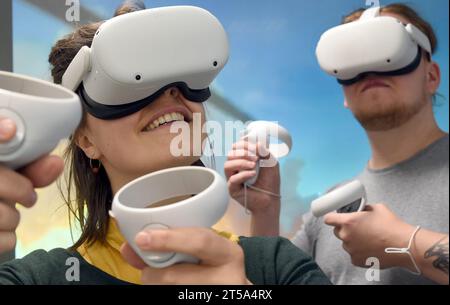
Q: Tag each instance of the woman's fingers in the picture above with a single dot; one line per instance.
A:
(7, 241)
(16, 188)
(236, 181)
(131, 257)
(7, 129)
(9, 217)
(204, 244)
(233, 167)
(19, 186)
(44, 171)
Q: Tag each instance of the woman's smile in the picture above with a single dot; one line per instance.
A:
(165, 117)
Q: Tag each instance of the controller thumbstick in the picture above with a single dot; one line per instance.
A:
(14, 144)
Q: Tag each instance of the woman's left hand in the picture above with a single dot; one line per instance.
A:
(221, 260)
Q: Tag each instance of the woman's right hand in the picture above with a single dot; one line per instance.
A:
(265, 208)
(18, 187)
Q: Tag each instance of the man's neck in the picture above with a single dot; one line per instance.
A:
(396, 145)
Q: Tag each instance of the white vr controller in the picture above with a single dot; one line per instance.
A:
(44, 114)
(139, 206)
(261, 132)
(372, 44)
(348, 198)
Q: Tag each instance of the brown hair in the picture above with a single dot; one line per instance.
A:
(87, 195)
(408, 13)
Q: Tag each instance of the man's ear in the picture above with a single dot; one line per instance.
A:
(346, 103)
(84, 140)
(433, 78)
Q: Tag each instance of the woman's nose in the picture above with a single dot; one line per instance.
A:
(172, 92)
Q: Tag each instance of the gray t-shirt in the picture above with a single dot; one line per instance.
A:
(416, 190)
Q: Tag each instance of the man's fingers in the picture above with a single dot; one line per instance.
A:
(44, 171)
(203, 244)
(336, 231)
(7, 129)
(337, 219)
(235, 166)
(131, 257)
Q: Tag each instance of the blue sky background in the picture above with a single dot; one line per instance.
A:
(272, 73)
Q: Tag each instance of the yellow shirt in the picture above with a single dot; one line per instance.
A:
(107, 257)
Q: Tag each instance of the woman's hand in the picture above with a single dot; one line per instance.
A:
(18, 187)
(265, 208)
(221, 260)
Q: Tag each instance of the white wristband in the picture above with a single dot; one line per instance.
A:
(407, 251)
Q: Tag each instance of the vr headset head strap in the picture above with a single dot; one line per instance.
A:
(417, 35)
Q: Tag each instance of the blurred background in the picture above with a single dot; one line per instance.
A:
(272, 75)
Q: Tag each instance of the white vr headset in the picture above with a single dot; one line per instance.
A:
(373, 44)
(135, 57)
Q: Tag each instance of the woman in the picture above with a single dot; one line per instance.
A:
(102, 157)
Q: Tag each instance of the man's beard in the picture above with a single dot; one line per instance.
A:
(389, 117)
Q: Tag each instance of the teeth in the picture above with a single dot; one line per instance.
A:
(167, 118)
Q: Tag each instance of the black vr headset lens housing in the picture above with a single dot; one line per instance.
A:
(112, 112)
(403, 71)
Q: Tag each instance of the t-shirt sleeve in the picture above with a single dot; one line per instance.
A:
(307, 235)
(24, 271)
(276, 261)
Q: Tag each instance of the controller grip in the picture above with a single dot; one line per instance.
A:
(253, 180)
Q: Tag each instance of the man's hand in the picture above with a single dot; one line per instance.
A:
(368, 233)
(221, 260)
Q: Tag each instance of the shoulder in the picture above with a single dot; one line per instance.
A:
(276, 261)
(35, 268)
(55, 267)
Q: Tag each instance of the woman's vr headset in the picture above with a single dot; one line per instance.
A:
(135, 57)
(372, 45)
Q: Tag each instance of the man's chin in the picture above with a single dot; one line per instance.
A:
(381, 122)
(387, 120)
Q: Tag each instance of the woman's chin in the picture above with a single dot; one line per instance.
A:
(171, 163)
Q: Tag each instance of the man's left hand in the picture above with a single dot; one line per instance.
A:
(368, 233)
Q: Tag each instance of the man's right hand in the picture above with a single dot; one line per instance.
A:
(18, 187)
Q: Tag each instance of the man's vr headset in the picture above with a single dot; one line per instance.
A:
(374, 44)
(135, 57)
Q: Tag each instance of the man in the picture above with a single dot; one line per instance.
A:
(406, 179)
